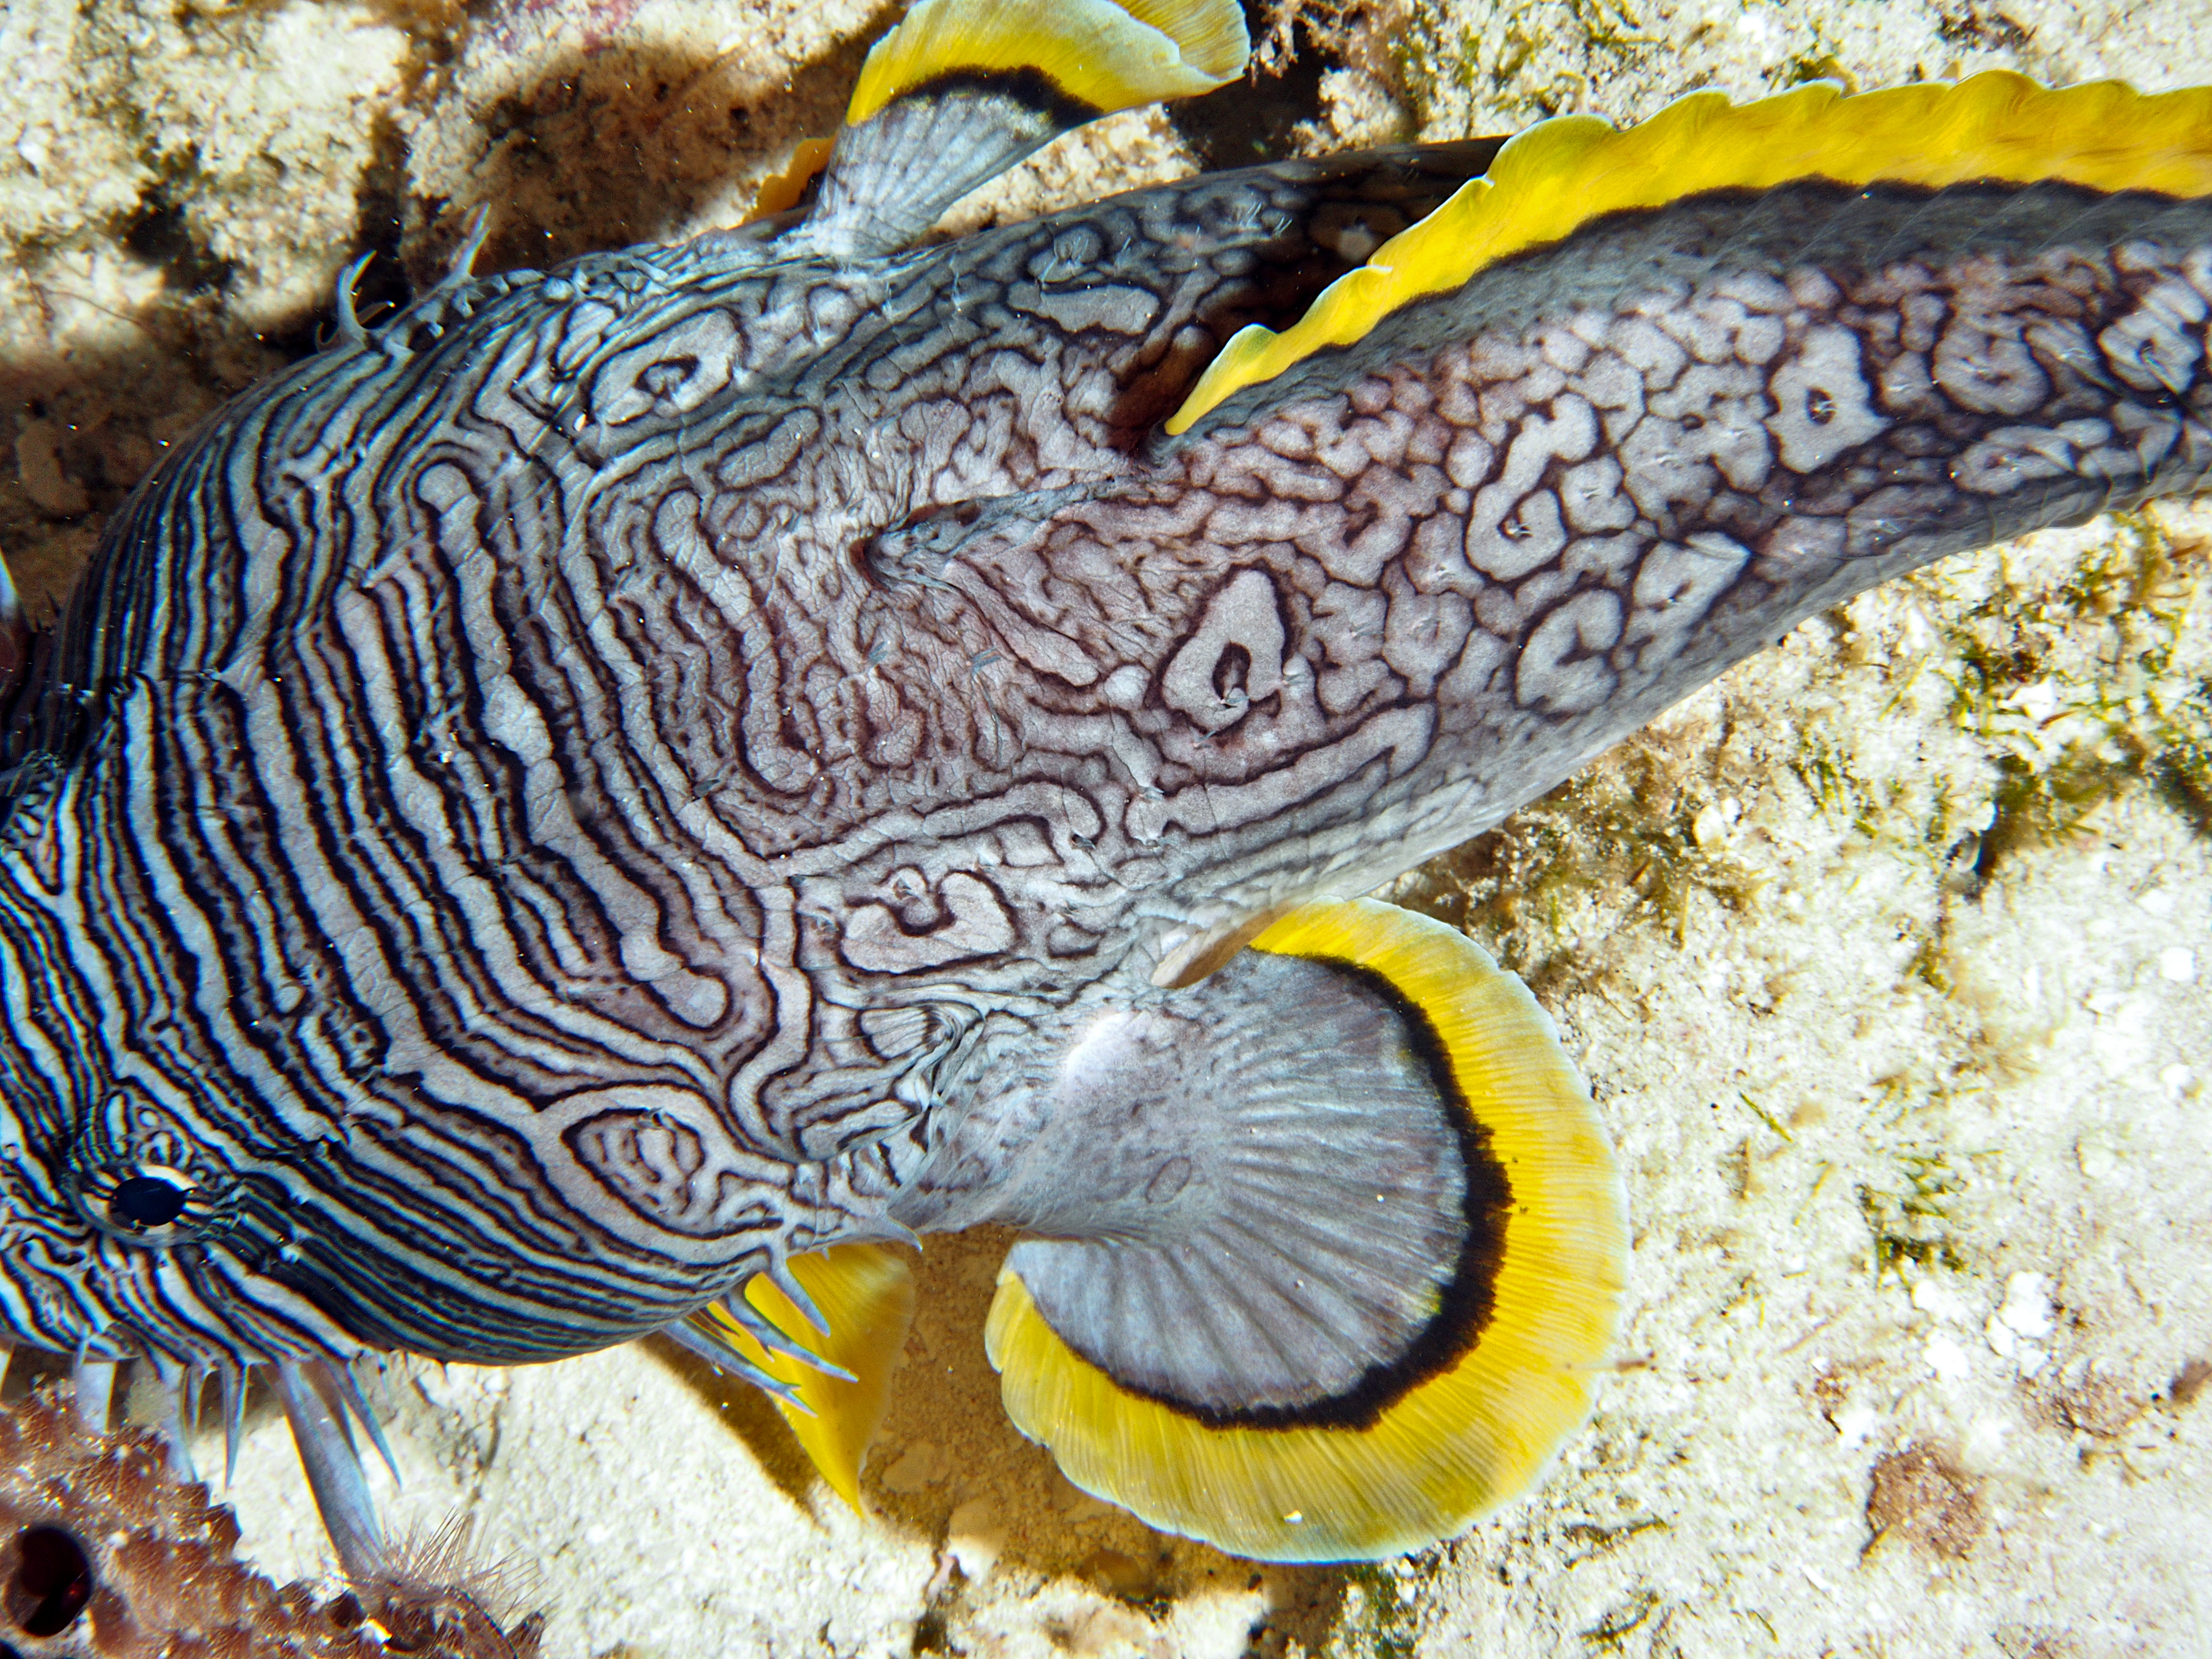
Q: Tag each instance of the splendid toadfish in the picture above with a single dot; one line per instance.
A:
(605, 803)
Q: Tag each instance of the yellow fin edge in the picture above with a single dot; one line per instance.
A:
(1457, 1444)
(1558, 176)
(780, 192)
(1108, 56)
(866, 1292)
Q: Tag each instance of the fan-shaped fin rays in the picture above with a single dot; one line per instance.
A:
(1470, 1407)
(963, 89)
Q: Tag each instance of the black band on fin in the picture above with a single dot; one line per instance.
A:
(963, 90)
(1336, 1287)
(1286, 1222)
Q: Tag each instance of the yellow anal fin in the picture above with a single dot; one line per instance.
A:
(1556, 177)
(1488, 1388)
(864, 1293)
(963, 89)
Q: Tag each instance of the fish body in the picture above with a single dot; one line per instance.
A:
(512, 793)
(627, 774)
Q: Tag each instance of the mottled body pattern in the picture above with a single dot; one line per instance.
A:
(621, 776)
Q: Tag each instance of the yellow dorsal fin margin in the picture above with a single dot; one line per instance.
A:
(1554, 178)
(1098, 52)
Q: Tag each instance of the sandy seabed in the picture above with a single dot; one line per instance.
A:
(1884, 956)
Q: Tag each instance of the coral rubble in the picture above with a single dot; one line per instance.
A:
(107, 1554)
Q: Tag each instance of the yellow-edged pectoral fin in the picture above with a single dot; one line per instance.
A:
(1557, 176)
(1099, 54)
(864, 1293)
(963, 89)
(1506, 1346)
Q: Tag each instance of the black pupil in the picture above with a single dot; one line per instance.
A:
(53, 1580)
(146, 1201)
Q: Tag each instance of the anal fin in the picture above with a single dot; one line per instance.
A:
(1345, 1253)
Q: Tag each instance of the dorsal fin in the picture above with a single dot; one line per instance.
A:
(1556, 177)
(963, 89)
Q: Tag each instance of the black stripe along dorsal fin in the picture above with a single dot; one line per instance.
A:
(1561, 174)
(963, 89)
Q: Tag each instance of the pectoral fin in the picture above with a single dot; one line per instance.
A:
(865, 1293)
(963, 89)
(1346, 1256)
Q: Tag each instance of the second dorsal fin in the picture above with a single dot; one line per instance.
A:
(1560, 175)
(963, 89)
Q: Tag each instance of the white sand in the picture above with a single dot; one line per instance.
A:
(1752, 924)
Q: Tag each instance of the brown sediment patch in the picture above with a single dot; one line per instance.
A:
(2089, 1401)
(2190, 1381)
(2020, 1642)
(1922, 1498)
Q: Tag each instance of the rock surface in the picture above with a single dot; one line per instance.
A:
(1885, 956)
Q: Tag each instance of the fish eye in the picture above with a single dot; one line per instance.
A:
(147, 1200)
(144, 1202)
